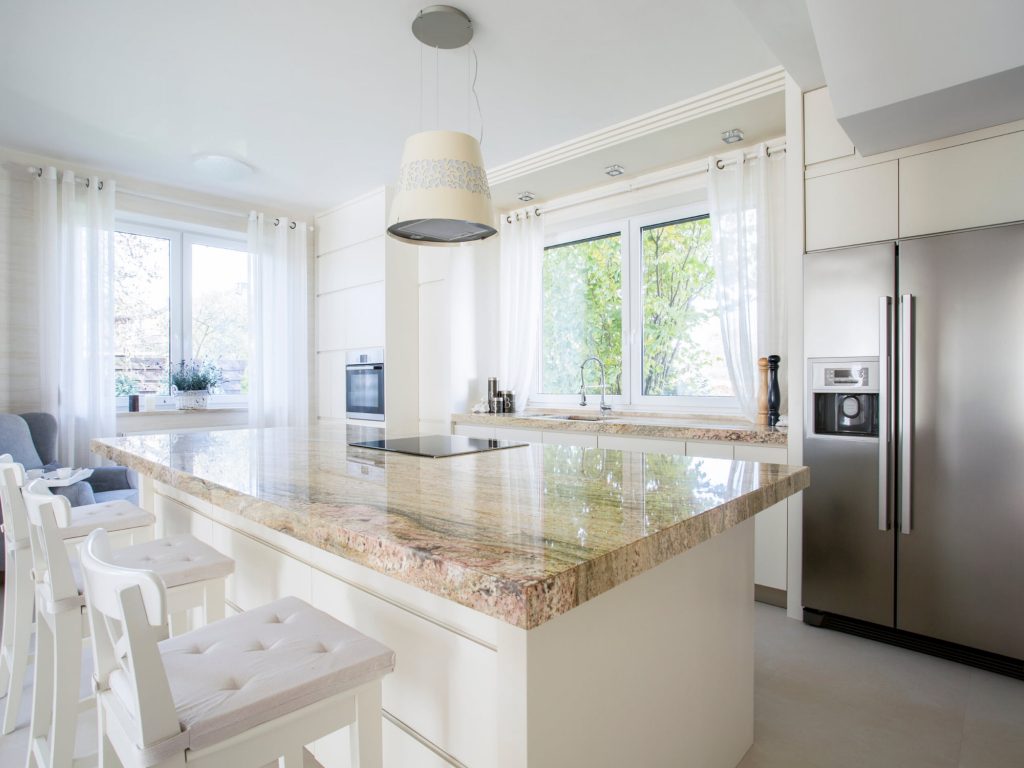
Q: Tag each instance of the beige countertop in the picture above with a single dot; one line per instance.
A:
(635, 424)
(522, 534)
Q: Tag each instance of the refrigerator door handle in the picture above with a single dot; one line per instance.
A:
(884, 410)
(906, 410)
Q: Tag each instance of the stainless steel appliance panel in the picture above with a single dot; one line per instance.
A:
(364, 384)
(841, 291)
(960, 566)
(848, 558)
(848, 562)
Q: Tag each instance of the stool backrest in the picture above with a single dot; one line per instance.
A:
(47, 513)
(12, 505)
(127, 616)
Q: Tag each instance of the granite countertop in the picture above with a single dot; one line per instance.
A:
(636, 424)
(522, 534)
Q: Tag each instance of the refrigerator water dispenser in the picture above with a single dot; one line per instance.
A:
(844, 396)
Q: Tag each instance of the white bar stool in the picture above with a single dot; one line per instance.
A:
(191, 572)
(19, 591)
(255, 686)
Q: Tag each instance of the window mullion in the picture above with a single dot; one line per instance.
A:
(177, 350)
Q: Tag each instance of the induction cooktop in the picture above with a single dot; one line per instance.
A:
(437, 446)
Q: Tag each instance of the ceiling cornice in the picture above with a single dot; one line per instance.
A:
(748, 89)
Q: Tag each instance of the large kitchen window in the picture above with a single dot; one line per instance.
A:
(179, 295)
(640, 296)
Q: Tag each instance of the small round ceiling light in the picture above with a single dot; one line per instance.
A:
(442, 196)
(222, 167)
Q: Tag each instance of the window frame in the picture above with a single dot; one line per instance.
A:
(567, 237)
(182, 238)
(632, 398)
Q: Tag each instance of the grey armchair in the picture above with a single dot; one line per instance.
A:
(31, 439)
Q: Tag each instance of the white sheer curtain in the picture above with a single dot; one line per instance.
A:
(522, 250)
(75, 221)
(746, 225)
(279, 322)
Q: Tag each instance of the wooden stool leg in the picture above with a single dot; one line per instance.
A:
(19, 622)
(42, 689)
(107, 754)
(365, 733)
(67, 672)
(7, 633)
(213, 601)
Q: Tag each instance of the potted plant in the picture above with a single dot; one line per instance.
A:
(191, 382)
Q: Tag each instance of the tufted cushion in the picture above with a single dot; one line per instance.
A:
(240, 672)
(177, 560)
(112, 515)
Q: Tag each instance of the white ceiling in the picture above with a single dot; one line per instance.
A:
(318, 96)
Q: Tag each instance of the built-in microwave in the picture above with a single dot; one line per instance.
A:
(364, 384)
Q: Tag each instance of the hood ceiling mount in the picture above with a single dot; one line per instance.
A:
(442, 196)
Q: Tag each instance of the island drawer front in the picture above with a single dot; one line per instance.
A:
(582, 439)
(444, 685)
(474, 430)
(641, 444)
(705, 450)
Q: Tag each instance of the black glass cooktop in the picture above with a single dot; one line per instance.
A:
(437, 446)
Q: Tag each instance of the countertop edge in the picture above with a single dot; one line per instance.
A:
(526, 605)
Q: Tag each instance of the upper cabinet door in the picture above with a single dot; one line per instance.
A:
(853, 207)
(970, 185)
(824, 138)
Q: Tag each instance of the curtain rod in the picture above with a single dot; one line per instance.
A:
(691, 169)
(36, 170)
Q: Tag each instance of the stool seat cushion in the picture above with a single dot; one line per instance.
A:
(130, 495)
(111, 515)
(240, 672)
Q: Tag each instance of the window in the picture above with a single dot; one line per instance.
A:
(640, 296)
(179, 295)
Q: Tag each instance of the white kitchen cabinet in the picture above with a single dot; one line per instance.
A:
(853, 207)
(477, 430)
(969, 185)
(357, 264)
(824, 138)
(641, 444)
(770, 526)
(351, 223)
(520, 435)
(707, 450)
(582, 439)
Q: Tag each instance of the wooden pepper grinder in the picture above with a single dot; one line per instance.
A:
(774, 396)
(762, 392)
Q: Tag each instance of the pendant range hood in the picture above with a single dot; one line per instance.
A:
(441, 195)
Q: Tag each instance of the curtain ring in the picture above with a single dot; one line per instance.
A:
(292, 225)
(276, 222)
(99, 185)
(536, 211)
(720, 165)
(508, 219)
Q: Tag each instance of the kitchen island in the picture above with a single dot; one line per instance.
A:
(549, 605)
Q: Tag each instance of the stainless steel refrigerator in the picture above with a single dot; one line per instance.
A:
(914, 433)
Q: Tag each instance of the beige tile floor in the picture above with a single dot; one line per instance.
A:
(827, 700)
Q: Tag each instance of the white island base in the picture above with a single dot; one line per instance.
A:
(656, 672)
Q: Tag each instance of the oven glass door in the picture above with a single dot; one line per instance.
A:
(364, 392)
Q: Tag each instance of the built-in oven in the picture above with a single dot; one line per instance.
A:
(364, 384)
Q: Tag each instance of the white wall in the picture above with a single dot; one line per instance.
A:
(458, 326)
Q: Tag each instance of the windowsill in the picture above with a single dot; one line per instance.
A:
(176, 412)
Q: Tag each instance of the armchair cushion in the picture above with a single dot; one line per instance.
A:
(16, 439)
(130, 495)
(43, 427)
(78, 494)
(105, 479)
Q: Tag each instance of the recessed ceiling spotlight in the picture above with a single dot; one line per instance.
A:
(222, 167)
(525, 196)
(615, 170)
(732, 136)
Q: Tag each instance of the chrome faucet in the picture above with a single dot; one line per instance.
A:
(583, 386)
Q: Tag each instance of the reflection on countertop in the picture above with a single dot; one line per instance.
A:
(659, 425)
(522, 534)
